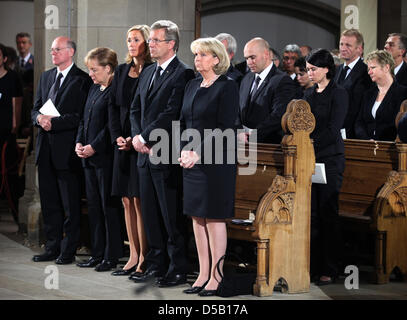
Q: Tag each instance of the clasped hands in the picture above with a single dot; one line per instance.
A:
(84, 151)
(140, 146)
(45, 121)
(188, 159)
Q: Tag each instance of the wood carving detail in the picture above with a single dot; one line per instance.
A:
(301, 118)
(399, 200)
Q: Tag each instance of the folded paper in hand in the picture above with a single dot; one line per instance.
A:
(49, 109)
(319, 176)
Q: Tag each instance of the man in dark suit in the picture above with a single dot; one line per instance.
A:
(264, 93)
(58, 167)
(231, 46)
(157, 102)
(396, 45)
(352, 75)
(25, 58)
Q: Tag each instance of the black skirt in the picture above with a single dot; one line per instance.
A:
(125, 180)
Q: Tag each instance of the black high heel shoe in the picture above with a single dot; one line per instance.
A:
(195, 289)
(123, 272)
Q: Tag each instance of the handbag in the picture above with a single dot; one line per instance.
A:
(235, 284)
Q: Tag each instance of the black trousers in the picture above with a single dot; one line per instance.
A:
(104, 215)
(326, 233)
(161, 207)
(60, 205)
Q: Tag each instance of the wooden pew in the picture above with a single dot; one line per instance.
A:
(280, 194)
(373, 204)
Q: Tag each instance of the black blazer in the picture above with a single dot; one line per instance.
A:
(234, 74)
(329, 109)
(402, 129)
(93, 128)
(401, 76)
(157, 109)
(356, 84)
(119, 109)
(268, 104)
(383, 127)
(70, 102)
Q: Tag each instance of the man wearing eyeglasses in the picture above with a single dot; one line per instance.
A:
(58, 167)
(156, 104)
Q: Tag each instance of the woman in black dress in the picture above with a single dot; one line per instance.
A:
(125, 176)
(329, 104)
(380, 104)
(94, 148)
(210, 102)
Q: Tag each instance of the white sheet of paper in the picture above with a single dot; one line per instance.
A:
(49, 109)
(343, 133)
(319, 176)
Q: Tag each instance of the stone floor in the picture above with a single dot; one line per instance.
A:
(23, 279)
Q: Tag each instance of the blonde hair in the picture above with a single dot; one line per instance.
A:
(217, 49)
(145, 33)
(104, 57)
(383, 58)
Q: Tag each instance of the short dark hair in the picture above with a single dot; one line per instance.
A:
(402, 41)
(3, 50)
(322, 58)
(300, 63)
(23, 35)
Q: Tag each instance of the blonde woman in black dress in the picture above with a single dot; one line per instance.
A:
(210, 102)
(125, 174)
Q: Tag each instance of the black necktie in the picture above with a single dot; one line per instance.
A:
(55, 87)
(256, 86)
(156, 77)
(342, 76)
(22, 63)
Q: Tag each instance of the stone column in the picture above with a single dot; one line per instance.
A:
(361, 15)
(94, 23)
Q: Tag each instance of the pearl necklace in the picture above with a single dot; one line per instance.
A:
(209, 83)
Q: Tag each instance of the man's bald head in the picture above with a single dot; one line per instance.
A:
(257, 54)
(62, 52)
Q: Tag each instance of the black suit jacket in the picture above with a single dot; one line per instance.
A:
(268, 105)
(402, 129)
(234, 74)
(383, 126)
(158, 108)
(356, 84)
(70, 101)
(93, 128)
(401, 76)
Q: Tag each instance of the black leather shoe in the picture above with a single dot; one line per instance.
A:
(106, 265)
(146, 275)
(194, 290)
(123, 272)
(91, 263)
(172, 280)
(62, 260)
(46, 256)
(207, 293)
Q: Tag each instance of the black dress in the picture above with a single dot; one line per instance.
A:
(209, 189)
(125, 180)
(329, 108)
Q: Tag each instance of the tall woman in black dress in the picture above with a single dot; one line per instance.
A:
(125, 176)
(94, 148)
(210, 102)
(329, 104)
(380, 104)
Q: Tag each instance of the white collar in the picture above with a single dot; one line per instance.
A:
(26, 58)
(397, 69)
(64, 72)
(353, 63)
(166, 63)
(264, 73)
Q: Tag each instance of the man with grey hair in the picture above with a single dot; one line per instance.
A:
(156, 104)
(231, 46)
(396, 45)
(291, 53)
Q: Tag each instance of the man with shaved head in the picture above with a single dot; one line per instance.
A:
(66, 86)
(264, 93)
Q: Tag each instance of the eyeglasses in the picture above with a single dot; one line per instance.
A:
(155, 41)
(56, 50)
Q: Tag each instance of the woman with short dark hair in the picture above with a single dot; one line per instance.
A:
(329, 104)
